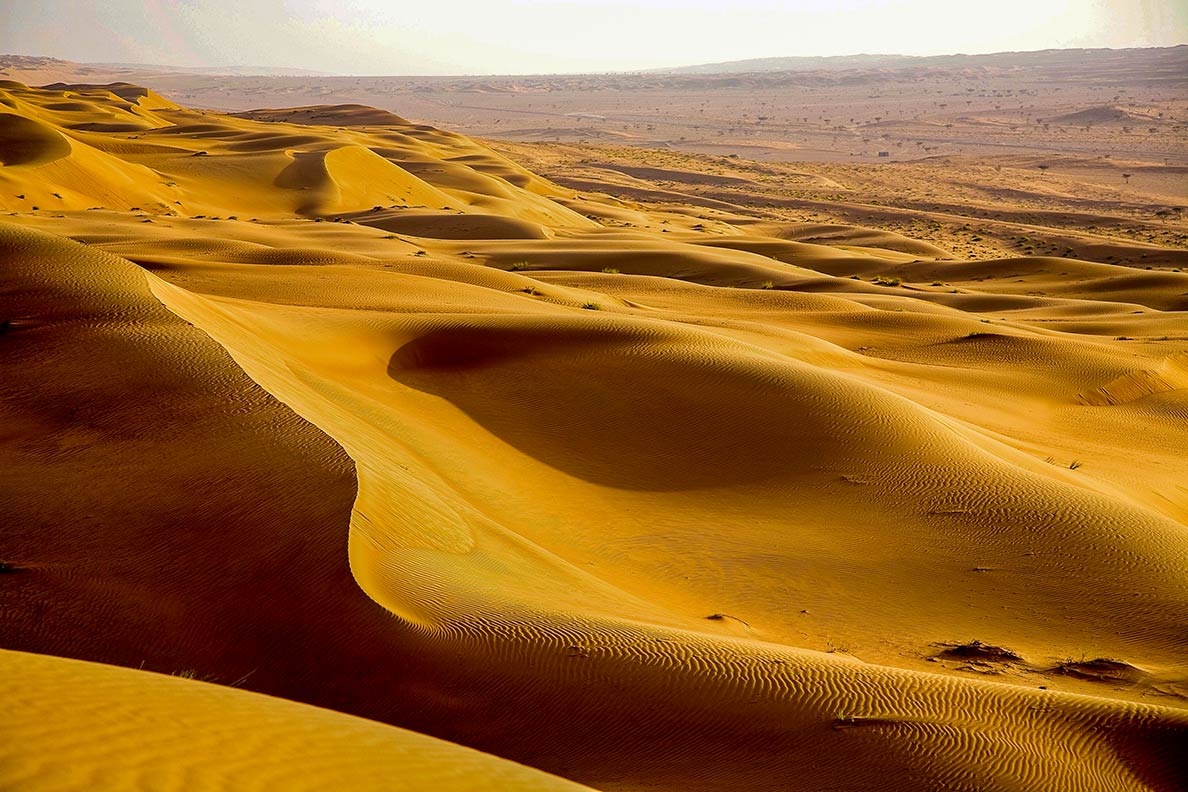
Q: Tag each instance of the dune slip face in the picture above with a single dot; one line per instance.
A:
(632, 477)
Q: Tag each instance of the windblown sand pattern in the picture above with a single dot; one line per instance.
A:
(655, 491)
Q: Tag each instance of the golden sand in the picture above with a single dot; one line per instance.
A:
(641, 493)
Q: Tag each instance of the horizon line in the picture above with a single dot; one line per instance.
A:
(279, 71)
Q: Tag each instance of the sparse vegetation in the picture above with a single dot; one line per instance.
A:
(977, 652)
(843, 721)
(590, 306)
(883, 280)
(724, 617)
(518, 266)
(190, 673)
(610, 271)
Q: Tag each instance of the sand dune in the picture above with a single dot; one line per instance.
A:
(641, 493)
(125, 729)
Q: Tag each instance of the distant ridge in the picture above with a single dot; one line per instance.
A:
(9, 62)
(1050, 57)
(234, 71)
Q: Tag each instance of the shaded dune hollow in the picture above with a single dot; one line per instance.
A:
(353, 412)
(630, 399)
(24, 141)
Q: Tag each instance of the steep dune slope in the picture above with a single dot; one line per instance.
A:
(24, 141)
(713, 501)
(157, 501)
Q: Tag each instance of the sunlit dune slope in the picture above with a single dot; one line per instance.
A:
(642, 494)
(147, 153)
(120, 729)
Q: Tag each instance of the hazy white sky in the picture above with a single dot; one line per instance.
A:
(537, 36)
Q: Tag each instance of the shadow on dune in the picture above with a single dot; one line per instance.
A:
(24, 141)
(621, 408)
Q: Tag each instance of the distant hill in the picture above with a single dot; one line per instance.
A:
(21, 66)
(233, 71)
(1173, 57)
(339, 115)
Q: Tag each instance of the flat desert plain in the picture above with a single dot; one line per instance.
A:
(541, 464)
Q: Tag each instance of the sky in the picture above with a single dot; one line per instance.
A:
(391, 37)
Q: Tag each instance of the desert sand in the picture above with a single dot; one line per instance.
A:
(1095, 105)
(648, 470)
(125, 729)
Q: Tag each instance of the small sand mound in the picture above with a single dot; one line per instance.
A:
(1103, 114)
(978, 652)
(1101, 670)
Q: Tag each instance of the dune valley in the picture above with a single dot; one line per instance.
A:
(341, 450)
